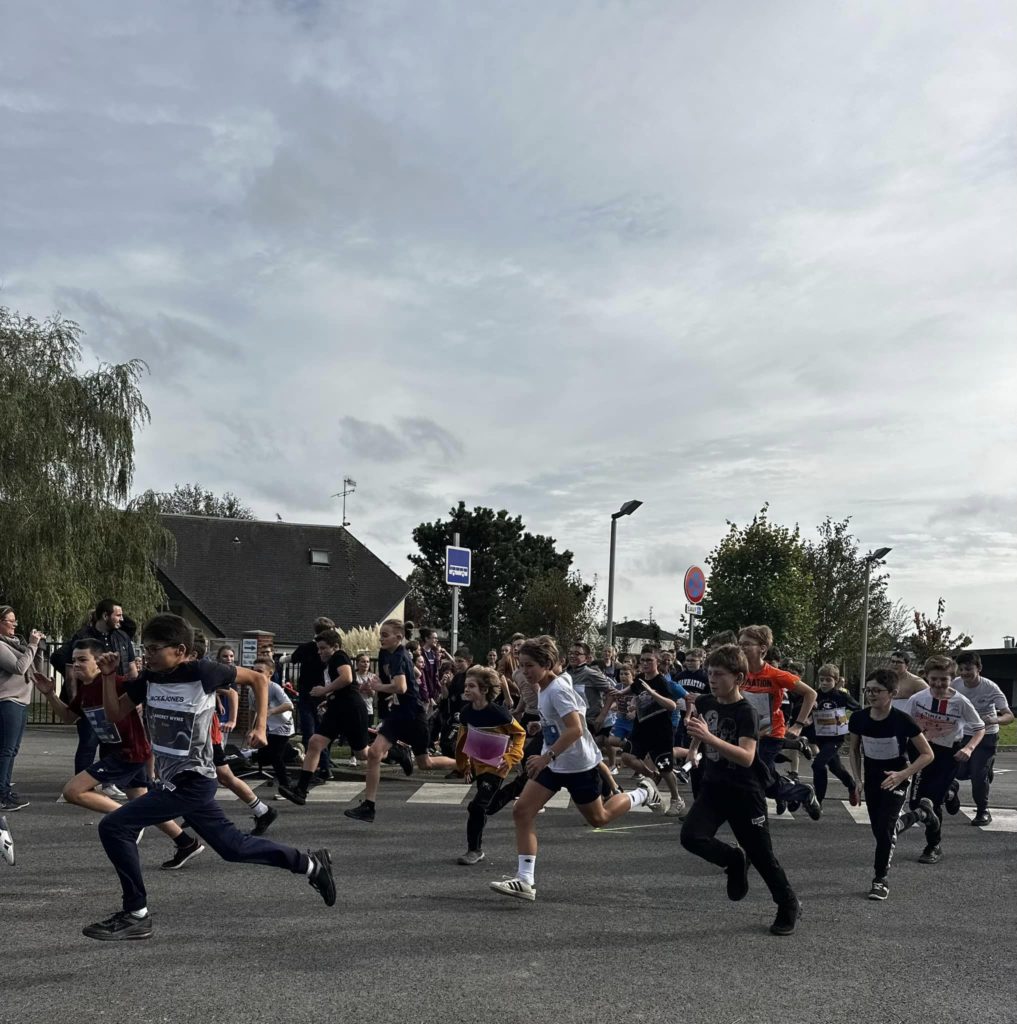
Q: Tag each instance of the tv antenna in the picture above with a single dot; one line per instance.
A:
(349, 487)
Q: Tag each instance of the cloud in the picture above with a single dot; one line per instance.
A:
(414, 437)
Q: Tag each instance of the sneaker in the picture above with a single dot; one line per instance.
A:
(854, 797)
(13, 802)
(683, 777)
(294, 794)
(516, 888)
(788, 916)
(781, 806)
(804, 749)
(352, 762)
(952, 802)
(880, 890)
(263, 821)
(114, 793)
(813, 808)
(6, 842)
(982, 818)
(792, 806)
(137, 842)
(182, 855)
(931, 855)
(362, 813)
(738, 876)
(471, 857)
(404, 759)
(676, 807)
(927, 815)
(614, 770)
(320, 877)
(653, 800)
(122, 925)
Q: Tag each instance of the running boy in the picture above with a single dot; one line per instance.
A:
(829, 727)
(280, 724)
(726, 726)
(480, 716)
(179, 700)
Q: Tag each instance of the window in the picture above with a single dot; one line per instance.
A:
(319, 557)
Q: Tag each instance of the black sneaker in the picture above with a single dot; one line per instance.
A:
(982, 818)
(952, 802)
(13, 802)
(928, 816)
(880, 890)
(404, 759)
(804, 749)
(294, 794)
(122, 925)
(792, 806)
(263, 821)
(781, 806)
(362, 813)
(931, 855)
(788, 916)
(813, 808)
(182, 856)
(321, 875)
(738, 876)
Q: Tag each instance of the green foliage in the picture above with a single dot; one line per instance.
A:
(68, 533)
(195, 500)
(562, 606)
(507, 563)
(933, 636)
(759, 575)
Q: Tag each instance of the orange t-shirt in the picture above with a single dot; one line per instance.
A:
(764, 690)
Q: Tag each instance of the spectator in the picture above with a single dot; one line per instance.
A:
(492, 658)
(16, 659)
(106, 626)
(430, 650)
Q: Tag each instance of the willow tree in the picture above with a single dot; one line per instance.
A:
(69, 533)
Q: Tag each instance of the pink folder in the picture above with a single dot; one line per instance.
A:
(486, 747)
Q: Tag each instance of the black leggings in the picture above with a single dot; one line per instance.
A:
(745, 811)
(829, 755)
(478, 808)
(885, 820)
(274, 755)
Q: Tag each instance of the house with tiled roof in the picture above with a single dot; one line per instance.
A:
(233, 576)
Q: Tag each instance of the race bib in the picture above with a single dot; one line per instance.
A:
(104, 728)
(881, 748)
(761, 703)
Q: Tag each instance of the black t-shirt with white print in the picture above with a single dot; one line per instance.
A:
(884, 741)
(347, 696)
(728, 722)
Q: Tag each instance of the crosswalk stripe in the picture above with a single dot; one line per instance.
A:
(560, 799)
(771, 806)
(859, 815)
(335, 793)
(1002, 820)
(440, 793)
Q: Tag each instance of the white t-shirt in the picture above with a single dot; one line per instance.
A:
(944, 722)
(553, 704)
(988, 700)
(279, 725)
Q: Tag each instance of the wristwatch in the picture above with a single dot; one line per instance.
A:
(551, 754)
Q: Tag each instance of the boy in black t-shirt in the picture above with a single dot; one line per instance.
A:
(725, 725)
(179, 699)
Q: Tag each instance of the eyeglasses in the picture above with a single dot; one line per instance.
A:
(874, 691)
(152, 648)
(897, 661)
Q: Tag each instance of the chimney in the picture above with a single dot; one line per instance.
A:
(1008, 643)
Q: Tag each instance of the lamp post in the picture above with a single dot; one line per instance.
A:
(870, 560)
(626, 510)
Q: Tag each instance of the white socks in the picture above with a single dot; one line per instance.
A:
(259, 807)
(638, 796)
(526, 867)
(140, 914)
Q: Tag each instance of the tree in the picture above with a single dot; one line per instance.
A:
(194, 500)
(561, 605)
(759, 575)
(507, 561)
(69, 534)
(933, 636)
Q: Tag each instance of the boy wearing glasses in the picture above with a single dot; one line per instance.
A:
(179, 699)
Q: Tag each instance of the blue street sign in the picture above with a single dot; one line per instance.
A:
(458, 566)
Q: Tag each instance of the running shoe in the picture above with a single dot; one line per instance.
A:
(931, 855)
(363, 812)
(804, 748)
(653, 800)
(928, 816)
(320, 877)
(122, 925)
(516, 888)
(263, 821)
(6, 841)
(781, 806)
(738, 875)
(813, 808)
(182, 855)
(13, 802)
(952, 802)
(982, 818)
(403, 758)
(614, 770)
(113, 792)
(294, 794)
(683, 777)
(788, 916)
(471, 857)
(880, 890)
(353, 762)
(675, 809)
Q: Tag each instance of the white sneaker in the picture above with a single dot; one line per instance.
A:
(676, 808)
(614, 770)
(353, 762)
(653, 800)
(516, 888)
(6, 841)
(113, 792)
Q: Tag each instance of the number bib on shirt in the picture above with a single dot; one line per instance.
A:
(104, 728)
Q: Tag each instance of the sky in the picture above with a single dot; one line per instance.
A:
(547, 257)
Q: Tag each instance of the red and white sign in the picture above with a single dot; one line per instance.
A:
(695, 584)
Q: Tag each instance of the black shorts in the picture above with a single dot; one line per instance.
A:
(111, 771)
(583, 787)
(347, 720)
(657, 748)
(218, 756)
(411, 731)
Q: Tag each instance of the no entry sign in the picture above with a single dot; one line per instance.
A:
(695, 584)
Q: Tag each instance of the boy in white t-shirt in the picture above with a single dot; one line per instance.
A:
(944, 715)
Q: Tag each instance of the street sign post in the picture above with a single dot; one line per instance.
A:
(458, 572)
(695, 588)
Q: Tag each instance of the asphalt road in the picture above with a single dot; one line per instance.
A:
(627, 926)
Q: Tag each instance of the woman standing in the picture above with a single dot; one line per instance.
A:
(16, 659)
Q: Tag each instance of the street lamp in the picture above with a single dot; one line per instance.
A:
(876, 556)
(626, 510)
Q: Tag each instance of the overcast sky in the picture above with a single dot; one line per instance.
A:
(547, 257)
